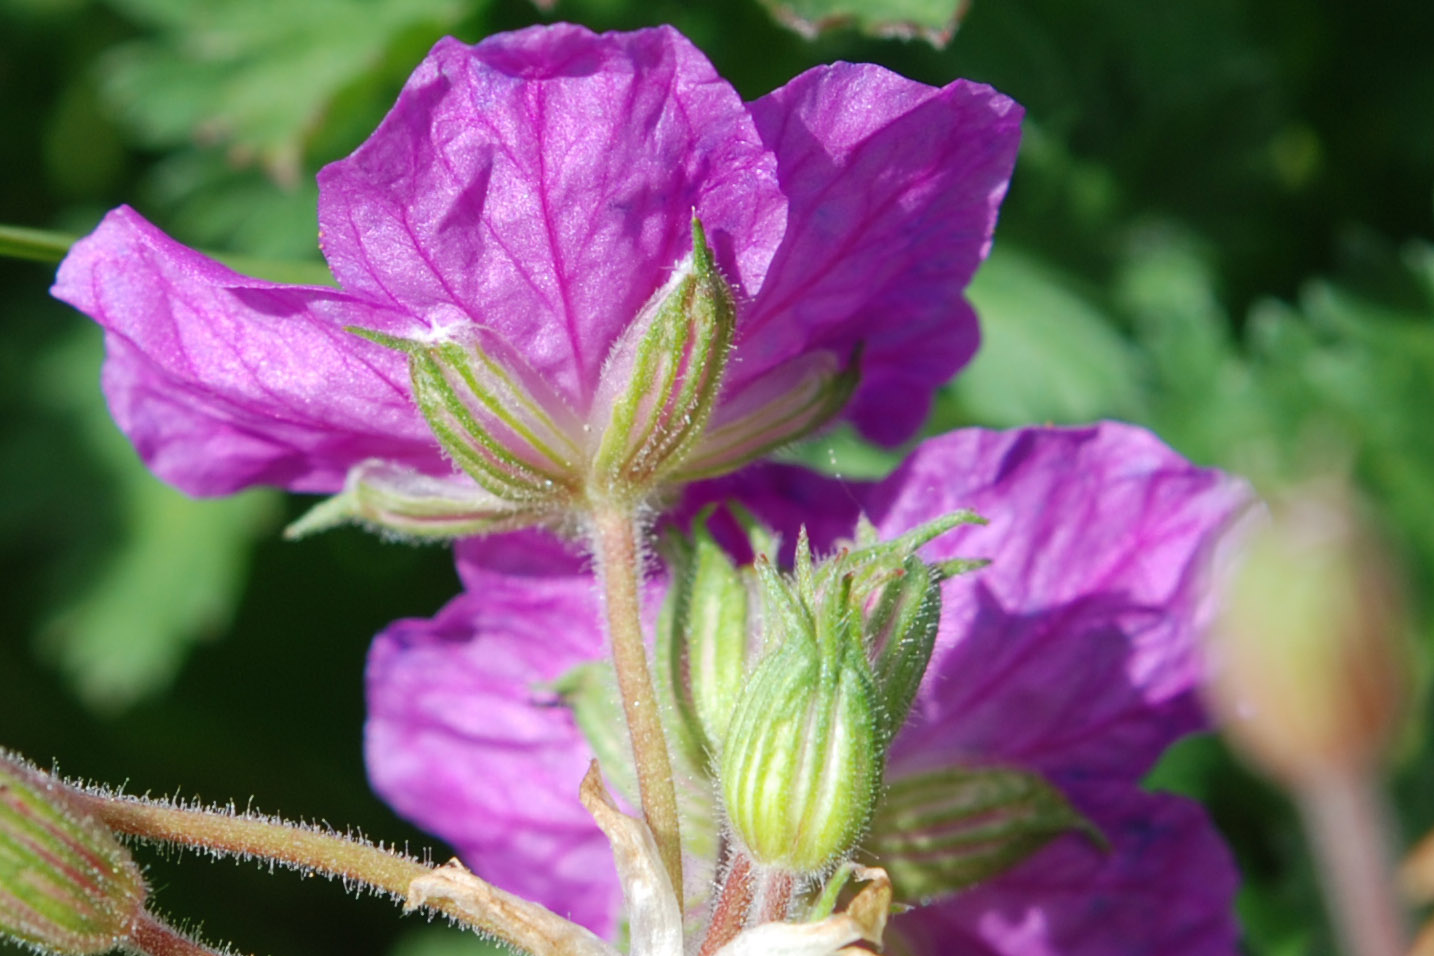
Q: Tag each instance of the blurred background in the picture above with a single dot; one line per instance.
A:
(1221, 226)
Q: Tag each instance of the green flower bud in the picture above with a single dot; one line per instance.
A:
(801, 767)
(708, 631)
(66, 884)
(802, 758)
(662, 378)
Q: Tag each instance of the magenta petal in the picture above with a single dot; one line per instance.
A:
(463, 740)
(541, 184)
(1074, 652)
(893, 189)
(1165, 888)
(223, 381)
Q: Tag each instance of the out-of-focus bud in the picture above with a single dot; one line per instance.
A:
(66, 884)
(1309, 662)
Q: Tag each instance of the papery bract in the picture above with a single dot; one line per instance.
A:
(523, 201)
(1072, 655)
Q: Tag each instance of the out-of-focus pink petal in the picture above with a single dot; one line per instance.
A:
(1166, 887)
(1074, 652)
(528, 553)
(893, 188)
(222, 381)
(541, 185)
(463, 739)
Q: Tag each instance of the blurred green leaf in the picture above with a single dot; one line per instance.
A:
(843, 453)
(171, 577)
(934, 21)
(256, 75)
(1048, 353)
(436, 941)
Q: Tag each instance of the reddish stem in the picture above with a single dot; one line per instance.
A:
(734, 901)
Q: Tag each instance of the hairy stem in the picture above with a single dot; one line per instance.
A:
(734, 900)
(516, 921)
(154, 937)
(619, 563)
(1345, 817)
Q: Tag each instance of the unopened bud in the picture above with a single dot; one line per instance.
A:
(662, 378)
(1309, 668)
(801, 767)
(66, 884)
(707, 630)
(851, 636)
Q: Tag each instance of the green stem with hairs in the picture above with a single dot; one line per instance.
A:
(615, 539)
(516, 921)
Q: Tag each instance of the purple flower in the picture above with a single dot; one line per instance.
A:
(1072, 654)
(526, 197)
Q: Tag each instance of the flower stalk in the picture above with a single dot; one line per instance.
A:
(1347, 822)
(619, 561)
(516, 921)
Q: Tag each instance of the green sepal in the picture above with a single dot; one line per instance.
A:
(404, 503)
(489, 419)
(947, 830)
(590, 691)
(902, 634)
(66, 884)
(899, 596)
(801, 766)
(704, 637)
(663, 377)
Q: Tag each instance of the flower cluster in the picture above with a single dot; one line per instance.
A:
(570, 263)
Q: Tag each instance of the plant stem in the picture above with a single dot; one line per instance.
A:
(153, 936)
(1345, 818)
(37, 245)
(619, 565)
(516, 921)
(734, 900)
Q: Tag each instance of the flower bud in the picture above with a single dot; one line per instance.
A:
(662, 378)
(802, 759)
(66, 884)
(801, 766)
(1309, 668)
(707, 632)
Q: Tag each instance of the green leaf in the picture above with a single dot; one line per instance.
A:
(949, 829)
(171, 578)
(1048, 354)
(934, 21)
(257, 75)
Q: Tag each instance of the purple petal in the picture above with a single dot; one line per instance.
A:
(785, 498)
(527, 553)
(541, 185)
(222, 381)
(1074, 652)
(893, 189)
(1165, 888)
(463, 740)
